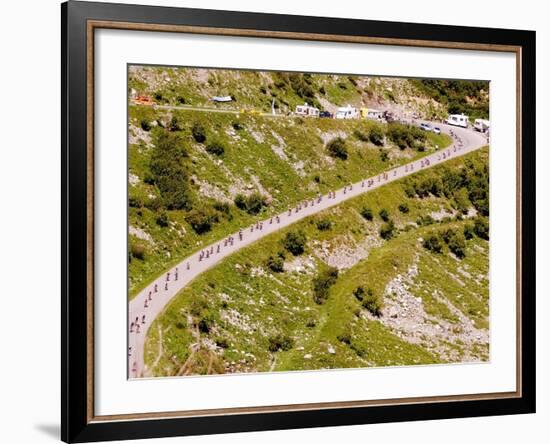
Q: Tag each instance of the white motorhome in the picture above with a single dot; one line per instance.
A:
(307, 110)
(481, 125)
(347, 112)
(458, 120)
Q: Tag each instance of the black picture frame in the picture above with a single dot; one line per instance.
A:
(77, 424)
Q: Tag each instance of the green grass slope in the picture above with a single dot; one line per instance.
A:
(282, 160)
(418, 305)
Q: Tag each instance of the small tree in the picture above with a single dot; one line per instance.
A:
(404, 208)
(469, 231)
(324, 224)
(481, 228)
(372, 302)
(137, 250)
(280, 342)
(433, 243)
(322, 283)
(162, 219)
(215, 148)
(252, 204)
(201, 220)
(295, 242)
(457, 244)
(376, 135)
(198, 132)
(387, 230)
(367, 213)
(145, 125)
(275, 263)
(337, 148)
(384, 215)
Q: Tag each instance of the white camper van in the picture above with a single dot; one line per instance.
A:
(481, 125)
(458, 120)
(307, 110)
(347, 112)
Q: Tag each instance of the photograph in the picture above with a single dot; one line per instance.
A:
(300, 221)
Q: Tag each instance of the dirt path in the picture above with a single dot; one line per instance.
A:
(151, 301)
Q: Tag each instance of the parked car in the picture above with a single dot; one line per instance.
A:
(437, 130)
(425, 127)
(326, 115)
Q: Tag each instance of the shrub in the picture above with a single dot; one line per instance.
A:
(222, 207)
(432, 243)
(252, 204)
(295, 242)
(215, 148)
(457, 244)
(322, 283)
(324, 224)
(384, 155)
(175, 124)
(468, 231)
(361, 135)
(367, 213)
(405, 136)
(376, 136)
(344, 337)
(169, 171)
(275, 263)
(198, 132)
(145, 125)
(135, 202)
(481, 228)
(237, 126)
(222, 342)
(387, 230)
(372, 302)
(337, 148)
(162, 219)
(404, 208)
(425, 220)
(206, 323)
(137, 250)
(201, 220)
(384, 215)
(317, 178)
(280, 342)
(409, 191)
(461, 200)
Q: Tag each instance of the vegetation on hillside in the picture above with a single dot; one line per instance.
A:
(322, 313)
(458, 96)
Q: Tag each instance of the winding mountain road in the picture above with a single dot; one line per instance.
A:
(151, 301)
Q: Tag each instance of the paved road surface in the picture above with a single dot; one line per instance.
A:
(149, 303)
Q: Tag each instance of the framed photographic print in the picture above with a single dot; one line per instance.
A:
(276, 221)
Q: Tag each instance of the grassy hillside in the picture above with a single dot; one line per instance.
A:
(195, 177)
(396, 276)
(258, 90)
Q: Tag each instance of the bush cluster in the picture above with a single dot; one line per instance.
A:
(201, 220)
(252, 203)
(295, 242)
(198, 132)
(337, 148)
(322, 283)
(169, 171)
(276, 263)
(405, 136)
(324, 224)
(367, 213)
(280, 342)
(369, 300)
(215, 148)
